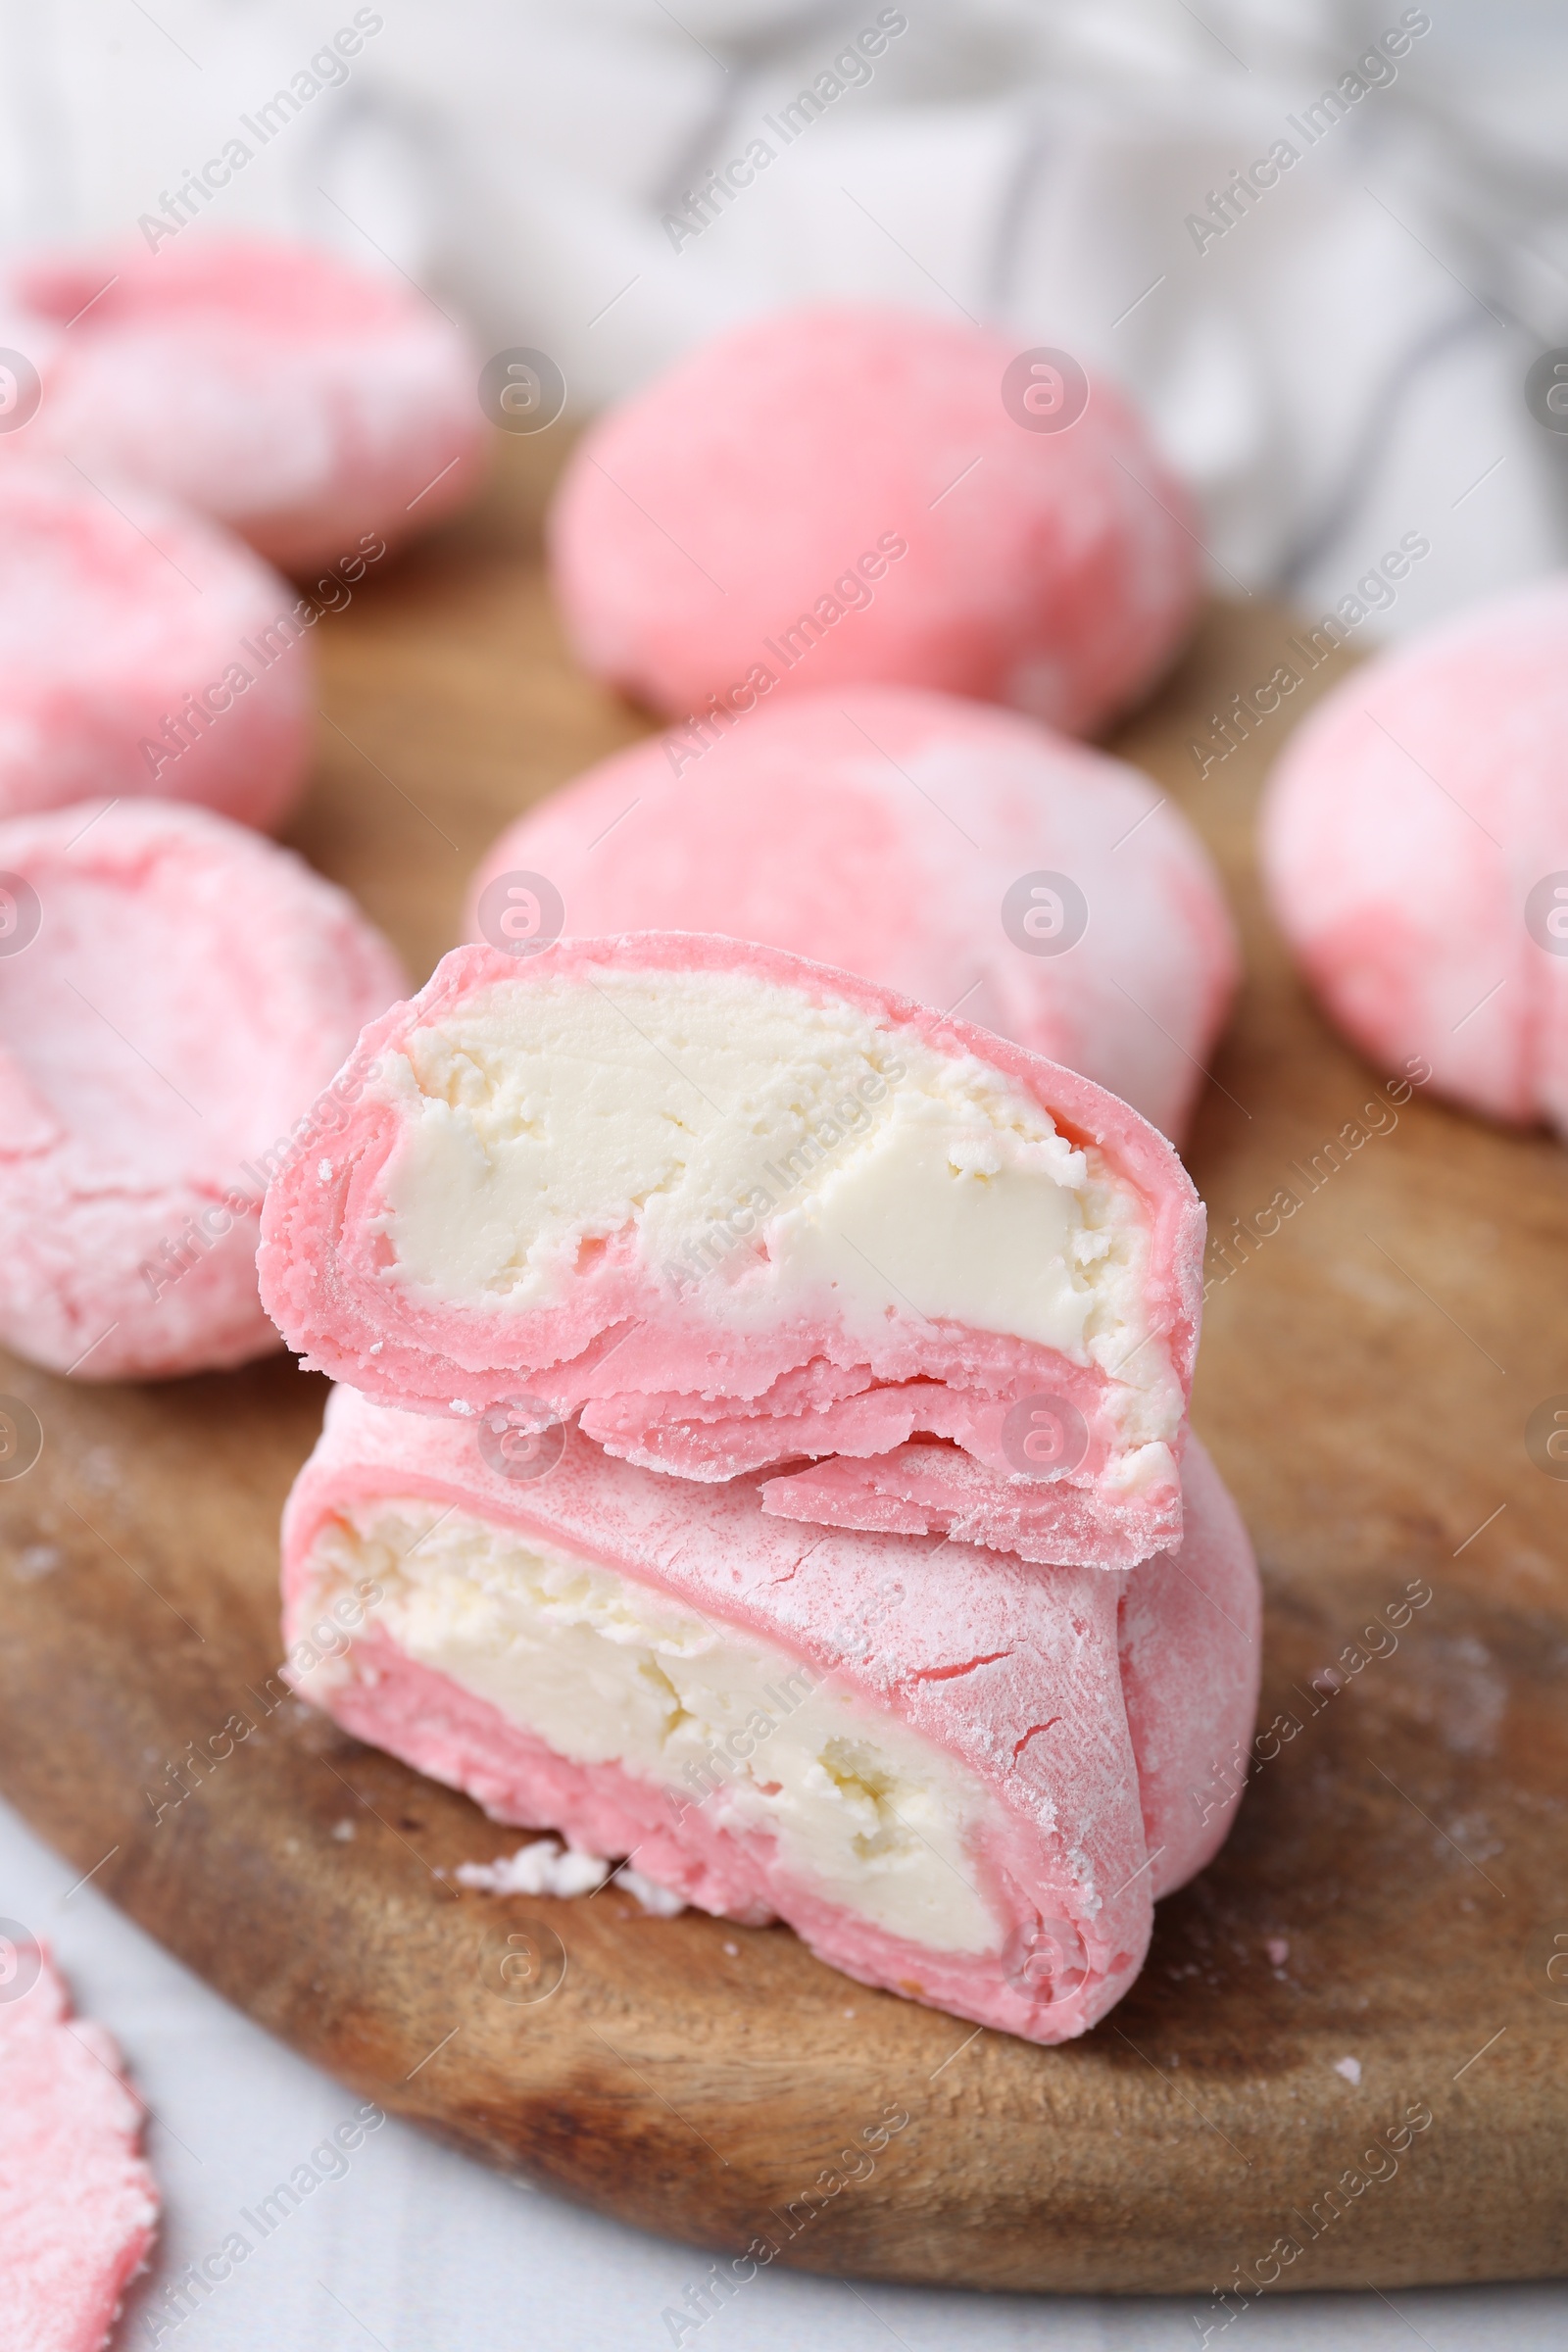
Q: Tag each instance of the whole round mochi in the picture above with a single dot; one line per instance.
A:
(1415, 851)
(924, 841)
(838, 493)
(142, 651)
(176, 998)
(78, 2203)
(314, 407)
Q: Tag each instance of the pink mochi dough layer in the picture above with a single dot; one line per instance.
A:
(1415, 850)
(881, 830)
(838, 495)
(1090, 1707)
(142, 652)
(273, 386)
(78, 2204)
(660, 1368)
(174, 994)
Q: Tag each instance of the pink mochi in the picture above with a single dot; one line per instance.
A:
(1090, 1708)
(1415, 849)
(702, 1350)
(310, 405)
(838, 495)
(893, 832)
(142, 652)
(174, 994)
(78, 2204)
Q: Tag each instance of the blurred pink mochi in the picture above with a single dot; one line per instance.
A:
(1415, 850)
(308, 405)
(78, 2203)
(959, 855)
(177, 995)
(737, 1209)
(838, 495)
(142, 652)
(957, 1778)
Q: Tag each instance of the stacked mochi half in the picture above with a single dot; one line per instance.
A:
(861, 1572)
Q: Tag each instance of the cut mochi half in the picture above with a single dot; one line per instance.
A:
(741, 1211)
(968, 1789)
(78, 2203)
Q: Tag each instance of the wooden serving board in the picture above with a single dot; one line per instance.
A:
(1386, 1908)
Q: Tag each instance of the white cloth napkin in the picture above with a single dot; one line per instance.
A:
(1338, 364)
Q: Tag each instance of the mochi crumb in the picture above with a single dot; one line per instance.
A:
(542, 1868)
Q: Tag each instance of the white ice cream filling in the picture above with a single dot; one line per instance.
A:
(762, 1154)
(862, 1811)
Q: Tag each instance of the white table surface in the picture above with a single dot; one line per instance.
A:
(420, 2250)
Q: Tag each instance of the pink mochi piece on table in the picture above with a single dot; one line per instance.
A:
(740, 1210)
(78, 2203)
(313, 406)
(142, 652)
(965, 1783)
(838, 495)
(1414, 845)
(956, 852)
(176, 998)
